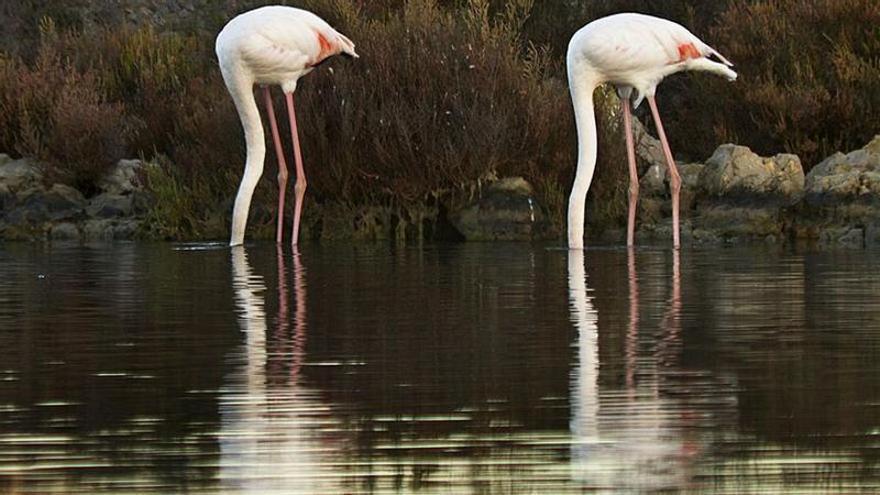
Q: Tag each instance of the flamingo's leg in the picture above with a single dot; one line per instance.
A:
(300, 187)
(282, 164)
(633, 172)
(674, 177)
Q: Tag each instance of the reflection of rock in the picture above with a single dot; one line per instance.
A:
(31, 210)
(506, 210)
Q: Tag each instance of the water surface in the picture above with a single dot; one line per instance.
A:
(487, 368)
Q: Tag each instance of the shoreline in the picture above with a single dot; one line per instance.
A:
(735, 197)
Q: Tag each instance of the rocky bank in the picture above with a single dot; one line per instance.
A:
(740, 196)
(30, 209)
(735, 196)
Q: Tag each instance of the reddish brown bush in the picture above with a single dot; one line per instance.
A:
(446, 92)
(439, 99)
(57, 114)
(809, 80)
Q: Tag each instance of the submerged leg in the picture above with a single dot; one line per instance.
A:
(674, 177)
(633, 172)
(300, 188)
(282, 164)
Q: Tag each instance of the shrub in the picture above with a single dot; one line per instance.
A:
(439, 99)
(59, 115)
(447, 92)
(442, 97)
(814, 89)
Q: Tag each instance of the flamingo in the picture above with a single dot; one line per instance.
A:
(273, 45)
(633, 52)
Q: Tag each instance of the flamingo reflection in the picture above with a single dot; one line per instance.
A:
(621, 439)
(273, 437)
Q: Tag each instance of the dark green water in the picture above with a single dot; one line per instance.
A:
(496, 368)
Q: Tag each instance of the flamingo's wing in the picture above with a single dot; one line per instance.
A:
(280, 40)
(279, 44)
(638, 51)
(631, 43)
(635, 43)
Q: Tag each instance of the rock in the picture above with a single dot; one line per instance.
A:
(738, 195)
(110, 229)
(30, 211)
(37, 205)
(649, 150)
(124, 178)
(842, 236)
(659, 231)
(6, 198)
(507, 210)
(728, 222)
(109, 205)
(64, 231)
(690, 175)
(19, 174)
(736, 173)
(653, 182)
(656, 178)
(842, 196)
(851, 177)
(143, 201)
(854, 237)
(654, 217)
(515, 186)
(63, 202)
(126, 229)
(97, 229)
(872, 233)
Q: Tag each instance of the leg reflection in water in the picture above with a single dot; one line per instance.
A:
(627, 439)
(277, 435)
(285, 342)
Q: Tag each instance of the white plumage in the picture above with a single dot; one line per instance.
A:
(277, 45)
(272, 45)
(638, 51)
(634, 52)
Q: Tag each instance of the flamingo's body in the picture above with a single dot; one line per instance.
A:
(272, 45)
(634, 52)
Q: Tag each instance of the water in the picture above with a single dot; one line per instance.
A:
(502, 368)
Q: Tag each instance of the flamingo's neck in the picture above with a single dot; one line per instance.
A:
(255, 140)
(583, 83)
